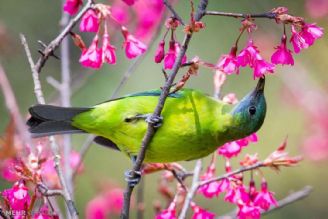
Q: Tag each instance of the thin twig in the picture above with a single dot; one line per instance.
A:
(165, 92)
(54, 147)
(53, 45)
(192, 191)
(229, 174)
(65, 96)
(14, 110)
(269, 15)
(174, 13)
(290, 199)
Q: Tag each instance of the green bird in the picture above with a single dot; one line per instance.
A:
(193, 125)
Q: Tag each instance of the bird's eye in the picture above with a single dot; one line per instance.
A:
(252, 110)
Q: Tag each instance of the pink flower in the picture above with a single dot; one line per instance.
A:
(282, 55)
(306, 37)
(237, 194)
(96, 208)
(108, 51)
(159, 55)
(72, 6)
(265, 198)
(170, 56)
(214, 188)
(310, 33)
(129, 2)
(248, 55)
(315, 146)
(90, 21)
(44, 213)
(233, 148)
(261, 67)
(120, 12)
(228, 62)
(133, 47)
(92, 57)
(200, 213)
(168, 213)
(114, 200)
(249, 212)
(17, 196)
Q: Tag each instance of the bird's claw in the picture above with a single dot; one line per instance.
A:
(155, 121)
(132, 177)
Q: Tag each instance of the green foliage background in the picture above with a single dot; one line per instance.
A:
(38, 20)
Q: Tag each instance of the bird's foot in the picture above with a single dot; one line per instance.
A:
(155, 121)
(132, 177)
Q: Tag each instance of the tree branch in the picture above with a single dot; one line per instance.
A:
(240, 170)
(165, 92)
(54, 147)
(193, 190)
(53, 45)
(268, 15)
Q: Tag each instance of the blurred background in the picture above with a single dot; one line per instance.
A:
(293, 95)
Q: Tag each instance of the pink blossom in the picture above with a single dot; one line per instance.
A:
(159, 55)
(230, 98)
(200, 213)
(17, 196)
(310, 33)
(237, 194)
(114, 200)
(228, 62)
(108, 51)
(129, 2)
(92, 57)
(248, 54)
(96, 208)
(315, 147)
(168, 213)
(233, 148)
(75, 160)
(170, 56)
(133, 47)
(282, 55)
(214, 188)
(261, 67)
(249, 212)
(265, 198)
(297, 41)
(44, 213)
(120, 12)
(72, 6)
(90, 21)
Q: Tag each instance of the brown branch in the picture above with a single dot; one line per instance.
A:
(165, 92)
(240, 170)
(269, 15)
(83, 151)
(54, 44)
(54, 147)
(14, 110)
(290, 199)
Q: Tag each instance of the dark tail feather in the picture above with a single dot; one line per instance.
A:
(52, 120)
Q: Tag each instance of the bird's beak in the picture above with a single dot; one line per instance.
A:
(260, 85)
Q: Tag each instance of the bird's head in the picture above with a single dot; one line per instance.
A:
(250, 112)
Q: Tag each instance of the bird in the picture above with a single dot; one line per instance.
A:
(192, 124)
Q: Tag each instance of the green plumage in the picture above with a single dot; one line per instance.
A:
(194, 124)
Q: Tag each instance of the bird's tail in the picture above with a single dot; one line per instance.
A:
(48, 120)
